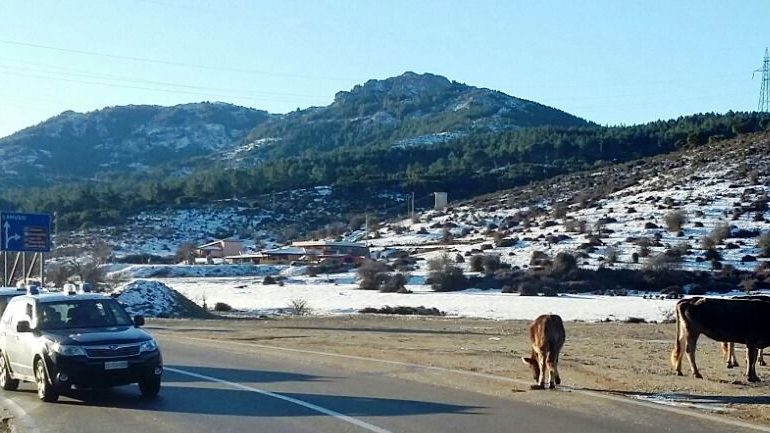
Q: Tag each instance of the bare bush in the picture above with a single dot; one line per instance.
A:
(299, 307)
(444, 275)
(763, 243)
(675, 220)
(575, 226)
(720, 232)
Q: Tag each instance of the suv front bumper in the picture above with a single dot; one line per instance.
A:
(84, 372)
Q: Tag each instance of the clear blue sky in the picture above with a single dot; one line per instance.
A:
(612, 62)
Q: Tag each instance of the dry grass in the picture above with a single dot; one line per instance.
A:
(619, 358)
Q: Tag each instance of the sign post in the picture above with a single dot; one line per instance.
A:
(24, 233)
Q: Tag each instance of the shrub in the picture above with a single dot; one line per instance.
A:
(675, 220)
(679, 250)
(371, 274)
(575, 226)
(299, 307)
(450, 280)
(563, 264)
(446, 234)
(269, 280)
(505, 242)
(527, 288)
(491, 263)
(539, 258)
(393, 283)
(611, 255)
(644, 246)
(550, 291)
(444, 275)
(221, 306)
(720, 232)
(559, 210)
(712, 254)
(708, 243)
(477, 263)
(763, 243)
(439, 262)
(661, 262)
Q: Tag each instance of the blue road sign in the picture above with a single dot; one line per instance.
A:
(25, 232)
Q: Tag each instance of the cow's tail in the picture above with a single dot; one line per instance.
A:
(676, 354)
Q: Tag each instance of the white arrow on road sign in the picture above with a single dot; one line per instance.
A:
(13, 237)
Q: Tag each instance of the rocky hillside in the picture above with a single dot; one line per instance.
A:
(704, 209)
(76, 146)
(411, 109)
(407, 110)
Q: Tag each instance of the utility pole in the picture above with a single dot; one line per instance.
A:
(764, 93)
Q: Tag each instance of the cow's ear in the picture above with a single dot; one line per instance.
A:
(528, 361)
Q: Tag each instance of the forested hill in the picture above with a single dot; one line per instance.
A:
(407, 110)
(476, 163)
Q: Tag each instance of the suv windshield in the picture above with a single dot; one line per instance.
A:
(81, 314)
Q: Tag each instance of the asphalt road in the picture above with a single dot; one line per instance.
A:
(220, 387)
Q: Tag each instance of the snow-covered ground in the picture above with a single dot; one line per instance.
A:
(324, 297)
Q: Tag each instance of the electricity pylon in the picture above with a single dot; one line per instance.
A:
(764, 93)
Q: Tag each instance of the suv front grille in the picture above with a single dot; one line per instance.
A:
(114, 351)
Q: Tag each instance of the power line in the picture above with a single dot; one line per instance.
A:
(155, 89)
(49, 69)
(169, 63)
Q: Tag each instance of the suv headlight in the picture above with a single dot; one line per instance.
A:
(63, 349)
(148, 346)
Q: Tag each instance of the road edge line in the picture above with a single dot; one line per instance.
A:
(340, 416)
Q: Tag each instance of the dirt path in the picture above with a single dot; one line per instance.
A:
(620, 358)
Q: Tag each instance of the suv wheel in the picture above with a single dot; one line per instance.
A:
(150, 386)
(6, 381)
(45, 390)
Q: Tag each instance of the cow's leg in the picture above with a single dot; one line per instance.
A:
(553, 373)
(543, 366)
(556, 369)
(690, 343)
(728, 350)
(751, 361)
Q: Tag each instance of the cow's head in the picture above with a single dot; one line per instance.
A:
(534, 366)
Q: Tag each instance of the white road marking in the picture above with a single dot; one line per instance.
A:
(22, 417)
(311, 406)
(611, 397)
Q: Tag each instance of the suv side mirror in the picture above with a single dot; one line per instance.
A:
(138, 320)
(23, 326)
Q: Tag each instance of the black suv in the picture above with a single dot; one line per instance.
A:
(82, 340)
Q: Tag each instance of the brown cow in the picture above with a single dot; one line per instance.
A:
(547, 336)
(744, 321)
(728, 349)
